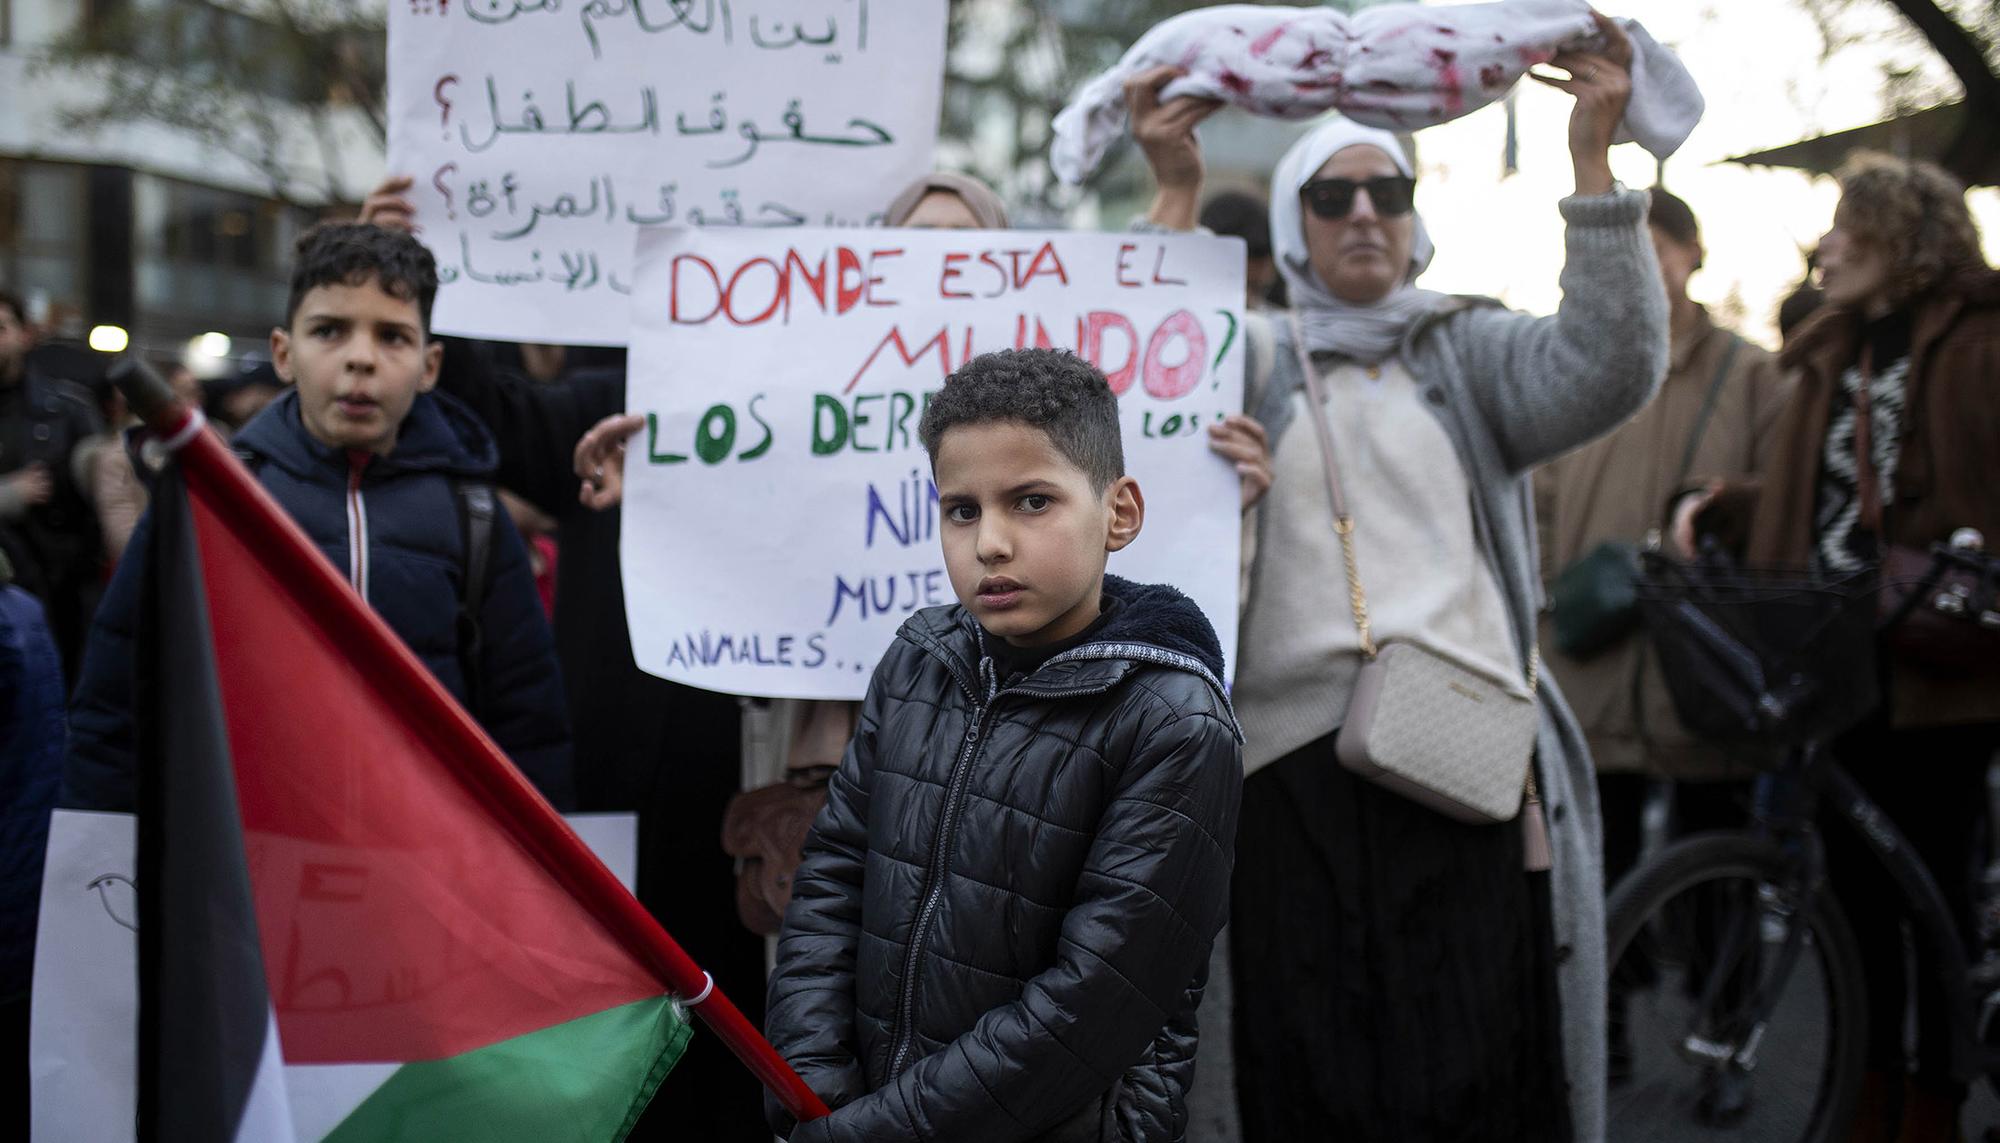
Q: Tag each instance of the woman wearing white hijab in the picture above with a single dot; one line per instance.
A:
(1399, 974)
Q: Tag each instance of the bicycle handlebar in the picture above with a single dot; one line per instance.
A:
(1971, 559)
(1966, 552)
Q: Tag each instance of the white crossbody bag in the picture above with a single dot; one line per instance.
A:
(1421, 723)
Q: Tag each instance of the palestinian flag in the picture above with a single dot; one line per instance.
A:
(358, 921)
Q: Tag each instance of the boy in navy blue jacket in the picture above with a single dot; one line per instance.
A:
(393, 483)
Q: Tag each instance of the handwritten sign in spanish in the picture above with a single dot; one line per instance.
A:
(543, 133)
(780, 518)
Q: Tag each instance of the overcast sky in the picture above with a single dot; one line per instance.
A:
(1757, 62)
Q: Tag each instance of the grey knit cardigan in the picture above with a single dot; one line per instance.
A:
(1514, 391)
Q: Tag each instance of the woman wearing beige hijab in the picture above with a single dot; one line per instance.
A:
(947, 201)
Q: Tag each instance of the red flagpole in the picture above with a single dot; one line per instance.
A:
(228, 488)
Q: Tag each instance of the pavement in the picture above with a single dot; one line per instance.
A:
(1659, 1104)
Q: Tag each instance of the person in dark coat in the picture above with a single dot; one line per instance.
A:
(1002, 925)
(31, 748)
(374, 467)
(47, 528)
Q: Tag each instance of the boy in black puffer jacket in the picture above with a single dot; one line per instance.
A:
(386, 478)
(1001, 928)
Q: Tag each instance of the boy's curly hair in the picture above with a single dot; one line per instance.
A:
(1052, 389)
(353, 253)
(1912, 211)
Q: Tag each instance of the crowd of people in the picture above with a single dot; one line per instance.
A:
(1024, 952)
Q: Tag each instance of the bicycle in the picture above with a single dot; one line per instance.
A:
(1736, 982)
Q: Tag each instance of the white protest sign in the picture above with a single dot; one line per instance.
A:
(542, 133)
(84, 1013)
(83, 1064)
(780, 520)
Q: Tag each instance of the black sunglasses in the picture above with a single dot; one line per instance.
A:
(1392, 195)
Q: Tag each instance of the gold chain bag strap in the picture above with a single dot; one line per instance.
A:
(1421, 723)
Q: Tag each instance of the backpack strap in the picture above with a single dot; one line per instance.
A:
(477, 507)
(1707, 409)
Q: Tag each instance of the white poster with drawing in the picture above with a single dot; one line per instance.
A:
(542, 134)
(83, 1034)
(780, 519)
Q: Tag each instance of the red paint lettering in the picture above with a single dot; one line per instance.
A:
(674, 290)
(814, 279)
(950, 272)
(999, 272)
(1124, 252)
(875, 280)
(777, 292)
(1046, 254)
(1171, 382)
(846, 297)
(1091, 347)
(1042, 338)
(1159, 265)
(941, 343)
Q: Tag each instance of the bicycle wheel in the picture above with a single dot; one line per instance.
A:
(1737, 1000)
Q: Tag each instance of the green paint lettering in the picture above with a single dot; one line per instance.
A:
(860, 419)
(653, 453)
(901, 407)
(829, 425)
(764, 445)
(716, 434)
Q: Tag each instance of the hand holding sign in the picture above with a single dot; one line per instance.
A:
(600, 460)
(386, 206)
(1241, 441)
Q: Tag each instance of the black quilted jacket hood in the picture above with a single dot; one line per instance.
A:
(1002, 925)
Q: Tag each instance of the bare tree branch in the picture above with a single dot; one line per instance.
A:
(1970, 58)
(1961, 47)
(238, 85)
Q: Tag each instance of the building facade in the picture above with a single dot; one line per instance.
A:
(146, 227)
